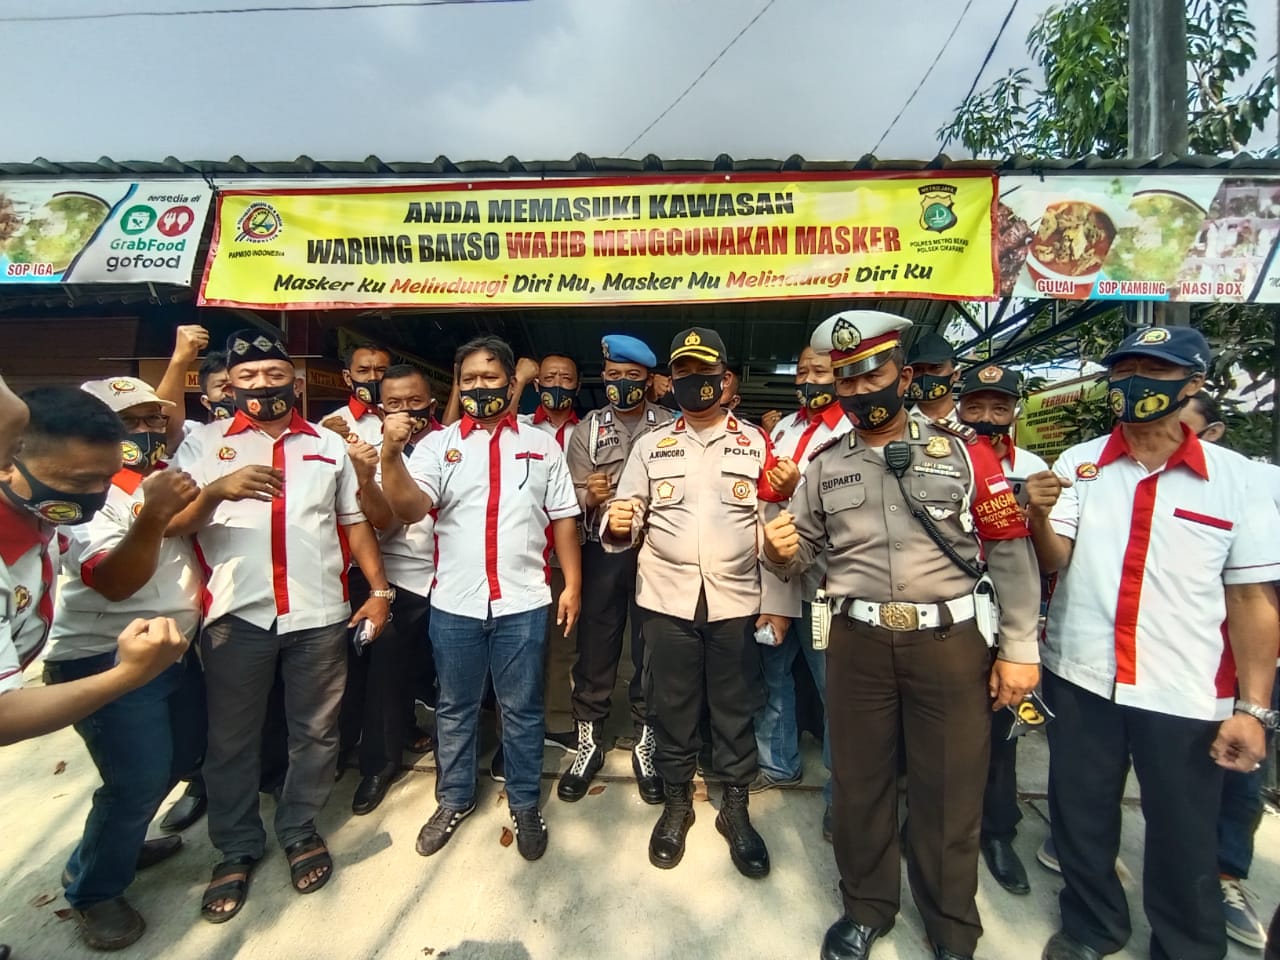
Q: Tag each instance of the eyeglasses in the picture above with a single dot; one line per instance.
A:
(157, 421)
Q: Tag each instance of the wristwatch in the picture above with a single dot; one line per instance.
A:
(1268, 718)
(388, 594)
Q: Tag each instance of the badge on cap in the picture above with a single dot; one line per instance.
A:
(692, 340)
(844, 335)
(122, 386)
(990, 374)
(1154, 335)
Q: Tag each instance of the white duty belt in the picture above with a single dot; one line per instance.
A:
(900, 616)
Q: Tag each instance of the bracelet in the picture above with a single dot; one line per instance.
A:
(1268, 718)
(388, 594)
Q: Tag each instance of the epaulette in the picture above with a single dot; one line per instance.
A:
(827, 445)
(967, 434)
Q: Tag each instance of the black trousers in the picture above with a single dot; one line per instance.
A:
(931, 685)
(1000, 813)
(1091, 745)
(690, 659)
(608, 596)
(377, 705)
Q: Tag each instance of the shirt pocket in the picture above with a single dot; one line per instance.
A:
(667, 480)
(1200, 538)
(738, 484)
(844, 497)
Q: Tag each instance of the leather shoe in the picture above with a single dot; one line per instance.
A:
(666, 843)
(371, 790)
(1062, 947)
(1004, 864)
(187, 810)
(848, 940)
(4, 951)
(942, 953)
(747, 849)
(110, 925)
(155, 851)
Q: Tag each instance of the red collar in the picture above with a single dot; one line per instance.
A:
(541, 415)
(240, 424)
(359, 408)
(1190, 452)
(127, 480)
(469, 423)
(19, 532)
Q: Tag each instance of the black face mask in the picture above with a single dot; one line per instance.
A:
(557, 398)
(625, 394)
(53, 505)
(421, 419)
(482, 403)
(816, 396)
(698, 391)
(928, 387)
(1139, 399)
(870, 411)
(142, 451)
(985, 429)
(368, 392)
(222, 409)
(267, 404)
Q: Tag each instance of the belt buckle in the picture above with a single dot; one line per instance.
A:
(899, 616)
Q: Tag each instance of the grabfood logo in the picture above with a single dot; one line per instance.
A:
(260, 223)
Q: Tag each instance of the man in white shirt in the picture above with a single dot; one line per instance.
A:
(362, 369)
(496, 487)
(276, 522)
(1157, 540)
(121, 567)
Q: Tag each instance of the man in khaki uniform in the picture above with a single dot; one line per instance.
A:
(905, 637)
(690, 497)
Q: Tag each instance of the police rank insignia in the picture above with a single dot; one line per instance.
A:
(938, 447)
(667, 442)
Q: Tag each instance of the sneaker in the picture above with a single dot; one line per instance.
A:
(438, 831)
(531, 832)
(1048, 856)
(765, 781)
(566, 740)
(498, 766)
(1243, 924)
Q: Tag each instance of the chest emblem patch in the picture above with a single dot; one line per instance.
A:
(21, 598)
(453, 455)
(938, 447)
(667, 442)
(666, 490)
(1087, 471)
(741, 490)
(226, 453)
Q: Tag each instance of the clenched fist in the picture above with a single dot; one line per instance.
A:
(781, 540)
(337, 424)
(622, 514)
(598, 489)
(166, 494)
(784, 477)
(1043, 490)
(364, 459)
(397, 428)
(526, 370)
(147, 648)
(191, 339)
(255, 482)
(770, 420)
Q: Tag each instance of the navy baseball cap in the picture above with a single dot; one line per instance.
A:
(993, 379)
(929, 347)
(621, 348)
(1185, 346)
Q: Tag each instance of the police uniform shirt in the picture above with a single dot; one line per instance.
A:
(849, 503)
(361, 418)
(86, 623)
(29, 558)
(602, 443)
(699, 512)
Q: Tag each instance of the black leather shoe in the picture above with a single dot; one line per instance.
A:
(1062, 947)
(189, 808)
(371, 790)
(647, 778)
(942, 953)
(847, 940)
(746, 846)
(1004, 864)
(587, 762)
(155, 851)
(666, 843)
(110, 925)
(4, 951)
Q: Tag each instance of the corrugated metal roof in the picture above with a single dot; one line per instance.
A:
(581, 164)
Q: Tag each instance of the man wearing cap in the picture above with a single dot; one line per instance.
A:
(932, 360)
(597, 453)
(277, 521)
(908, 511)
(690, 498)
(362, 369)
(1157, 540)
(819, 419)
(989, 398)
(122, 567)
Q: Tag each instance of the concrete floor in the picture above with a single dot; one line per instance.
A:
(593, 895)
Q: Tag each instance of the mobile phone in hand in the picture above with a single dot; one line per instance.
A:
(361, 635)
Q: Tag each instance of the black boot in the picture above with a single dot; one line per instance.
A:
(647, 778)
(746, 847)
(666, 843)
(586, 764)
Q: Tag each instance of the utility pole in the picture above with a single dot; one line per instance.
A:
(1158, 105)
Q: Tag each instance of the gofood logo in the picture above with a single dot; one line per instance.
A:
(260, 223)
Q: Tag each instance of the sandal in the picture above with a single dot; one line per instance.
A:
(230, 881)
(306, 855)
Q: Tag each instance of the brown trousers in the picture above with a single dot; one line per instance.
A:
(935, 683)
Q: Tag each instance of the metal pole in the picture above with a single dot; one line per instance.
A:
(1158, 105)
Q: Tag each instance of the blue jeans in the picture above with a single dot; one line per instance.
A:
(141, 743)
(777, 733)
(466, 650)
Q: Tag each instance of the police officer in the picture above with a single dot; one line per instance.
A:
(988, 403)
(596, 454)
(690, 498)
(905, 510)
(932, 360)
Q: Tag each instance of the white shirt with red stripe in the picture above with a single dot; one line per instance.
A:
(495, 494)
(1137, 614)
(541, 419)
(362, 420)
(29, 557)
(283, 561)
(799, 435)
(86, 623)
(409, 550)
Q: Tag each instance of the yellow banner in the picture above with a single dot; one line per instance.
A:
(605, 241)
(1042, 424)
